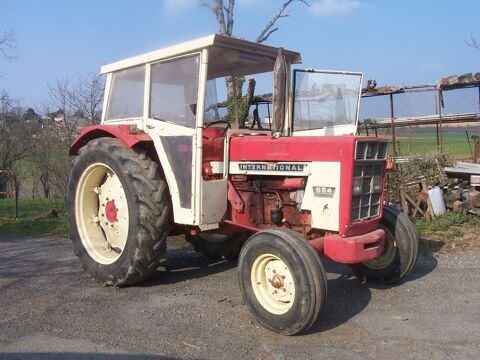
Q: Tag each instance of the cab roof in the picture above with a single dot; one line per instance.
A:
(227, 56)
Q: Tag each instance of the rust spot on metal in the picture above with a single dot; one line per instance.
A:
(277, 281)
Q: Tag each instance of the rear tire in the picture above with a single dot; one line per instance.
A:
(218, 246)
(282, 280)
(400, 253)
(118, 211)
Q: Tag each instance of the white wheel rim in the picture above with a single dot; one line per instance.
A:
(273, 284)
(101, 212)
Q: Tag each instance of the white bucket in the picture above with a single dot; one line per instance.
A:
(436, 199)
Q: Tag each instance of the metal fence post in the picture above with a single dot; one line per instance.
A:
(392, 116)
(439, 110)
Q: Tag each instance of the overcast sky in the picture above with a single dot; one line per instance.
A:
(396, 42)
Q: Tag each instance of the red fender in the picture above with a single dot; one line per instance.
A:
(127, 134)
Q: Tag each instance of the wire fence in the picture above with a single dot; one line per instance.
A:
(422, 120)
(416, 120)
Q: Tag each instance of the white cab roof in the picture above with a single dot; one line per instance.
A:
(227, 56)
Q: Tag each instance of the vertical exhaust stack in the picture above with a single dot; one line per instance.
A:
(279, 89)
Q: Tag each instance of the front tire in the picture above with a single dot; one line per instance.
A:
(282, 280)
(400, 253)
(118, 212)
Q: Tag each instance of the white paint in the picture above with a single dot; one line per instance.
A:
(325, 210)
(235, 168)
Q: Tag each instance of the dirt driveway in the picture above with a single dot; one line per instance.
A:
(192, 309)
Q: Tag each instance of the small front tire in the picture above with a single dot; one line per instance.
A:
(282, 280)
(400, 253)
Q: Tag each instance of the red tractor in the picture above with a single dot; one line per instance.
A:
(163, 161)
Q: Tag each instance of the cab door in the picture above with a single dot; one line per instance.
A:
(172, 91)
(174, 109)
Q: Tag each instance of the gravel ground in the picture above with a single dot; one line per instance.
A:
(192, 309)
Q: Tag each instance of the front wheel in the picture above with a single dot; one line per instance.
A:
(282, 280)
(400, 253)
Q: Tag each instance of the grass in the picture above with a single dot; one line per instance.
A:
(449, 231)
(32, 219)
(442, 223)
(423, 140)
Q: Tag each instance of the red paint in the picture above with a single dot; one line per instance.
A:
(243, 226)
(111, 211)
(235, 199)
(355, 249)
(121, 132)
(213, 132)
(213, 148)
(317, 244)
(307, 149)
(293, 148)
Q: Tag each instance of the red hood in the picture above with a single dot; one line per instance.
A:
(292, 148)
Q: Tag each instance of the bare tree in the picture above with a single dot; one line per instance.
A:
(223, 13)
(225, 17)
(14, 138)
(269, 29)
(239, 105)
(60, 110)
(87, 97)
(71, 105)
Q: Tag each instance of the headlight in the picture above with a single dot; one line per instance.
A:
(357, 186)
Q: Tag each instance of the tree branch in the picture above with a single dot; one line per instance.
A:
(216, 7)
(231, 4)
(267, 30)
(473, 41)
(7, 42)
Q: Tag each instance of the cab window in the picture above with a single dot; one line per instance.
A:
(126, 94)
(174, 90)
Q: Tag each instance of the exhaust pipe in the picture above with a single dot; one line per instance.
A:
(279, 99)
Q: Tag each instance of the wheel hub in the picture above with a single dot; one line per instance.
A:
(111, 211)
(273, 284)
(277, 281)
(102, 213)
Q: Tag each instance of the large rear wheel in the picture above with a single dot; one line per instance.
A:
(400, 253)
(118, 212)
(282, 280)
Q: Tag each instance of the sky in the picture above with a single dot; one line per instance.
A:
(396, 42)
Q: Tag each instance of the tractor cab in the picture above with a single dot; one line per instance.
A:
(171, 95)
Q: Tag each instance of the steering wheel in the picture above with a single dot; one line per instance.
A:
(228, 126)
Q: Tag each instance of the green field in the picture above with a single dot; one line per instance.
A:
(452, 146)
(419, 141)
(32, 219)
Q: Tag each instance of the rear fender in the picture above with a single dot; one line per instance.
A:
(127, 134)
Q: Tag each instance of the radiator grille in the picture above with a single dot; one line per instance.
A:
(371, 150)
(366, 204)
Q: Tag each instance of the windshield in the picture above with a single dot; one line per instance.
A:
(325, 99)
